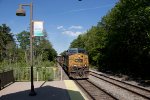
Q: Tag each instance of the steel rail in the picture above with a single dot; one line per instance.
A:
(144, 96)
(77, 81)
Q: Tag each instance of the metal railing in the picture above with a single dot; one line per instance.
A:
(6, 78)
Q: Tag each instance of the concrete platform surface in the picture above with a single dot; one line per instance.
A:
(51, 90)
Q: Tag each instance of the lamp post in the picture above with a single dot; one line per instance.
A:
(21, 12)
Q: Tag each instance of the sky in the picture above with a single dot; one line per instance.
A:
(63, 20)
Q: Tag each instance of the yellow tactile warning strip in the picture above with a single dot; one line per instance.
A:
(74, 92)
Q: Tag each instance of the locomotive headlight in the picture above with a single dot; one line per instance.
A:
(74, 65)
(85, 65)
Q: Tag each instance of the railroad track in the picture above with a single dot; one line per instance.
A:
(144, 93)
(93, 91)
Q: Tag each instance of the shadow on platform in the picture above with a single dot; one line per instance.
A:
(43, 93)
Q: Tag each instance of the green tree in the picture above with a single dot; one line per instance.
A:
(128, 45)
(7, 43)
(78, 43)
(24, 39)
(24, 44)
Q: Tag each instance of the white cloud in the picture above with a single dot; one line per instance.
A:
(76, 27)
(60, 27)
(71, 33)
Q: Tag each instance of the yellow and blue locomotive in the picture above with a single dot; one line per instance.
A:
(75, 62)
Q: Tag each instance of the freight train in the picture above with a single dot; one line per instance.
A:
(75, 63)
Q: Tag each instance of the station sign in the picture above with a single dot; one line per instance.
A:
(38, 28)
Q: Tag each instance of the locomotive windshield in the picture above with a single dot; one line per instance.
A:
(72, 51)
(81, 51)
(76, 50)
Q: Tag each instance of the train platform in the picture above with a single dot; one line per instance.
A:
(49, 90)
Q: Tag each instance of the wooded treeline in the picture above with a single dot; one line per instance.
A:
(120, 42)
(16, 49)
